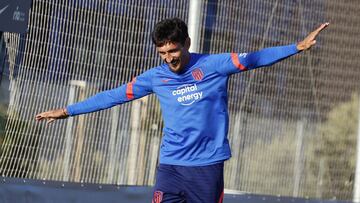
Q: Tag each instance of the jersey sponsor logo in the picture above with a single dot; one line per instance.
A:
(187, 94)
(158, 197)
(197, 74)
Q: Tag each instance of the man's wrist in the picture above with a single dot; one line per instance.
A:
(299, 46)
(64, 112)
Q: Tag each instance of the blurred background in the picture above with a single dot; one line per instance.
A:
(294, 126)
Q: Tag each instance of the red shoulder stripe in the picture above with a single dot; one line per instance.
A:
(129, 89)
(236, 62)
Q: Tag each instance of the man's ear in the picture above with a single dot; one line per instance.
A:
(187, 43)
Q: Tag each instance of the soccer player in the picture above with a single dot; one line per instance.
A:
(192, 90)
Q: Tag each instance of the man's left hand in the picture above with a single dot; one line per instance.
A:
(310, 40)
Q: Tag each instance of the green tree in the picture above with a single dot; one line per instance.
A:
(336, 146)
(328, 163)
(18, 147)
(3, 118)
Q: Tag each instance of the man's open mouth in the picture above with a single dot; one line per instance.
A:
(174, 62)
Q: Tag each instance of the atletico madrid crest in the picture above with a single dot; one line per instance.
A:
(158, 196)
(197, 74)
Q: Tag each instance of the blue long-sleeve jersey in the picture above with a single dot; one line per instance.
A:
(193, 103)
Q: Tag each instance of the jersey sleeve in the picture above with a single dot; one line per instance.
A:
(230, 63)
(139, 87)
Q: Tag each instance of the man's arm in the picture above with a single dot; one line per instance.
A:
(234, 63)
(137, 88)
(272, 55)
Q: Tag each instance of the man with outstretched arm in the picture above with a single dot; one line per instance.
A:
(192, 90)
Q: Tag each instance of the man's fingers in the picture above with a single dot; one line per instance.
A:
(51, 120)
(321, 27)
(309, 40)
(39, 117)
(52, 115)
(315, 33)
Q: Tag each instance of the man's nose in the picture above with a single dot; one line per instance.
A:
(168, 58)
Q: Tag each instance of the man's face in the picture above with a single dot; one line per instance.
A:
(175, 55)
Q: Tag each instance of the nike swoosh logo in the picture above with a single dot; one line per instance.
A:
(166, 80)
(3, 9)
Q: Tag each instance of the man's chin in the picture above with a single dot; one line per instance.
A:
(175, 69)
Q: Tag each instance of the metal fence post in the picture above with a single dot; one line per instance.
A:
(299, 156)
(69, 126)
(356, 197)
(194, 23)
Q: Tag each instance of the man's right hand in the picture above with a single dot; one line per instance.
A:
(52, 115)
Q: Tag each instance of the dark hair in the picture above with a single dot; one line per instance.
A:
(170, 30)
